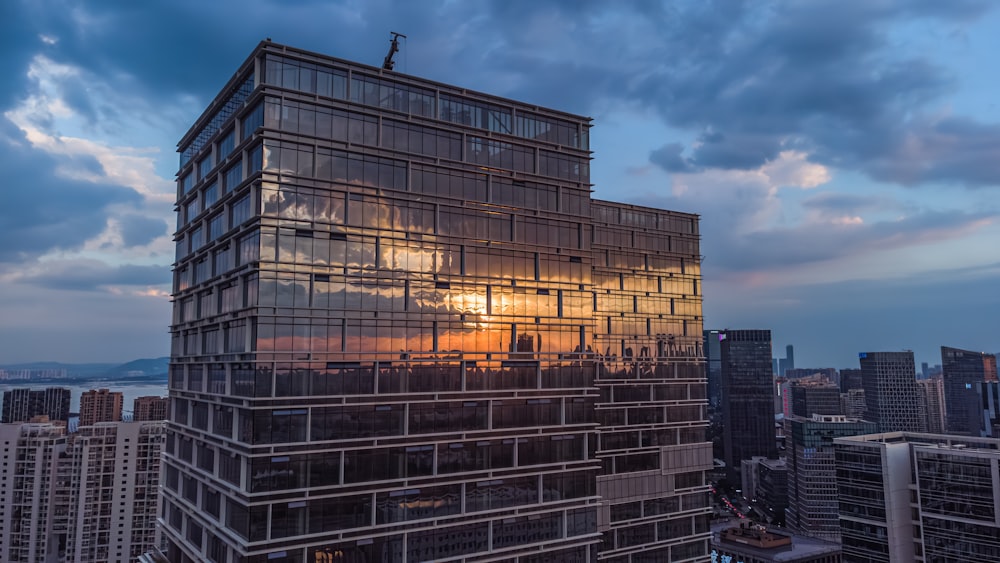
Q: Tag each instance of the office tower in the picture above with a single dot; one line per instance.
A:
(782, 396)
(772, 490)
(749, 475)
(892, 397)
(932, 397)
(903, 494)
(775, 367)
(713, 368)
(812, 484)
(100, 405)
(989, 401)
(798, 373)
(394, 304)
(150, 408)
(852, 403)
(817, 396)
(652, 409)
(789, 357)
(747, 389)
(29, 518)
(923, 370)
(850, 379)
(22, 404)
(963, 371)
(114, 491)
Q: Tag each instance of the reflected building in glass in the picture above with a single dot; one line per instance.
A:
(399, 320)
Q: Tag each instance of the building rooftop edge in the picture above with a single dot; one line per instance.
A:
(268, 45)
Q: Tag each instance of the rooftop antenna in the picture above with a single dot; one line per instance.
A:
(388, 63)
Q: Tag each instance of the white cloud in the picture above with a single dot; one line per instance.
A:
(44, 114)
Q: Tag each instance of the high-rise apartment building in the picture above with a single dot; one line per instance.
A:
(150, 408)
(29, 481)
(114, 491)
(86, 497)
(918, 497)
(812, 472)
(892, 397)
(22, 404)
(747, 396)
(100, 405)
(963, 371)
(403, 331)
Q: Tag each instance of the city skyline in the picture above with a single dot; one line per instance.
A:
(833, 151)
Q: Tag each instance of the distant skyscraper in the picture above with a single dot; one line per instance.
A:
(963, 371)
(100, 405)
(812, 474)
(892, 396)
(22, 404)
(850, 379)
(989, 399)
(789, 357)
(853, 403)
(902, 495)
(815, 397)
(713, 367)
(747, 396)
(150, 408)
(932, 397)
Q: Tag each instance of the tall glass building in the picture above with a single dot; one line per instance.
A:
(963, 371)
(747, 397)
(395, 333)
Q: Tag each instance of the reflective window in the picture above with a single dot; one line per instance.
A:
(253, 120)
(227, 144)
(232, 177)
(386, 94)
(231, 106)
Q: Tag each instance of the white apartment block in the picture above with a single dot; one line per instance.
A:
(90, 496)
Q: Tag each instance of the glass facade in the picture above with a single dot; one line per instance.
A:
(963, 371)
(747, 397)
(384, 344)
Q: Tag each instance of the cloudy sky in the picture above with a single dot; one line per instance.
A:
(844, 155)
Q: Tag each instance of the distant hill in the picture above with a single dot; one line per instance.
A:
(148, 367)
(82, 370)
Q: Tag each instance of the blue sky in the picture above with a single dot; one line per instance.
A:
(844, 155)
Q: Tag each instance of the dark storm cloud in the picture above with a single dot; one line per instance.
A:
(91, 275)
(138, 230)
(43, 211)
(821, 75)
(669, 158)
(817, 75)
